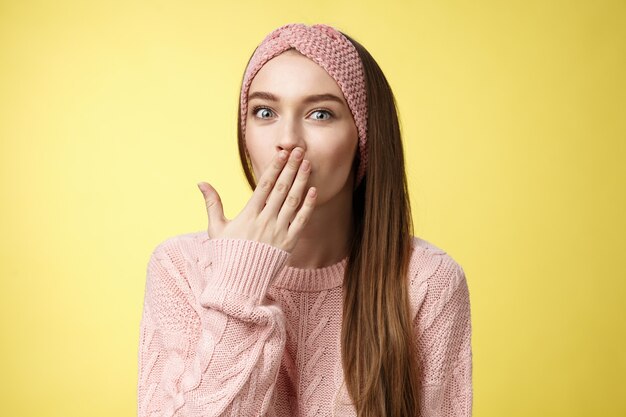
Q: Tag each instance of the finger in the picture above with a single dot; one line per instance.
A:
(304, 214)
(267, 181)
(295, 196)
(283, 184)
(214, 208)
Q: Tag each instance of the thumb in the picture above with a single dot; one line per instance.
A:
(214, 207)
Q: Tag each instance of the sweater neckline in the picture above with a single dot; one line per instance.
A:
(310, 280)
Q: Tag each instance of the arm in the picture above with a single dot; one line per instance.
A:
(214, 351)
(443, 325)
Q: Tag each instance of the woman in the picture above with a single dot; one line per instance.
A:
(316, 299)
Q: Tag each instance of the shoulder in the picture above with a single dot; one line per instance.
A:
(429, 262)
(180, 258)
(434, 275)
(187, 243)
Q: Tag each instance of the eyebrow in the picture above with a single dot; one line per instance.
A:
(307, 100)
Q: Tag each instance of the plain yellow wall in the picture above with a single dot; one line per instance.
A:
(514, 121)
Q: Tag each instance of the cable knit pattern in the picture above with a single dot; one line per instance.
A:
(229, 329)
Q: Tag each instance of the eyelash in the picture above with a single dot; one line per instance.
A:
(255, 109)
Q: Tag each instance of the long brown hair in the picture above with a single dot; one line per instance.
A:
(377, 341)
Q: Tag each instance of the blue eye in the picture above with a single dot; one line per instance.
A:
(324, 111)
(256, 109)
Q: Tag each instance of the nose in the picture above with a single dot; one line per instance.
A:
(290, 136)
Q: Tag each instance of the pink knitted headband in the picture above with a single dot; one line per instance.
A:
(332, 51)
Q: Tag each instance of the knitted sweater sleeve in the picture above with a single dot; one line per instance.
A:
(210, 341)
(443, 324)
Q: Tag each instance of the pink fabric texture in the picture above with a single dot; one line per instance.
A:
(332, 51)
(229, 329)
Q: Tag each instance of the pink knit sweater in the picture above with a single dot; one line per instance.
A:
(228, 329)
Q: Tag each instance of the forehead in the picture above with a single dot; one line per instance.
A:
(291, 73)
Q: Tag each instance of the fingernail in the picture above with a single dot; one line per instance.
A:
(200, 187)
(297, 153)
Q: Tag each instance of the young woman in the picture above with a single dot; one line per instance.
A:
(316, 300)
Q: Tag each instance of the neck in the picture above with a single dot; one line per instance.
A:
(325, 240)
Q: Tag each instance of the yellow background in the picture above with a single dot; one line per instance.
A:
(514, 121)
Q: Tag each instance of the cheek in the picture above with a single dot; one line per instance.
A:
(260, 148)
(338, 159)
(258, 157)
